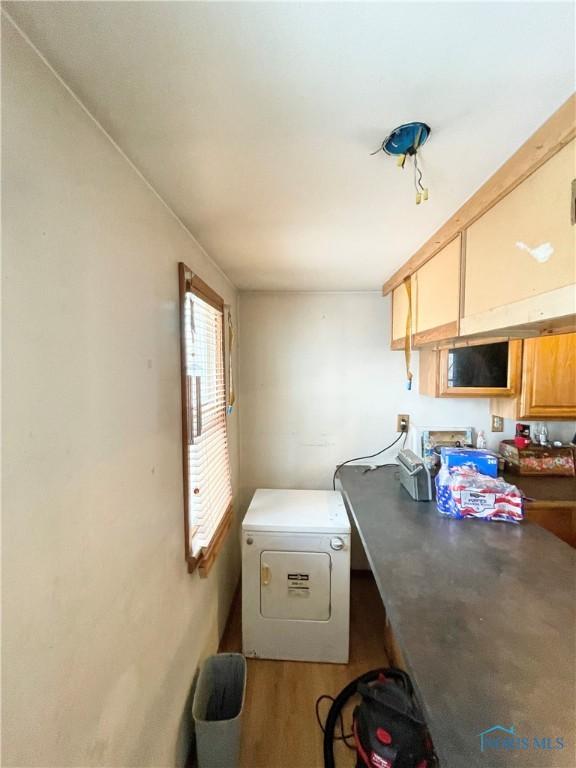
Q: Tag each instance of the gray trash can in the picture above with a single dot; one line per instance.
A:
(217, 710)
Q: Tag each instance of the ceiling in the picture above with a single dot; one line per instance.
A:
(255, 121)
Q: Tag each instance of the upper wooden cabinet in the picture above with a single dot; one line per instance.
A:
(520, 256)
(472, 369)
(437, 296)
(548, 381)
(549, 377)
(504, 265)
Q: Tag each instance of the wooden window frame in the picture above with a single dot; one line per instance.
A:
(188, 281)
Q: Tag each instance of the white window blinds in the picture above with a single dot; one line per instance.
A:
(209, 482)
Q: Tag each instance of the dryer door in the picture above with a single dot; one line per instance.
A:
(295, 585)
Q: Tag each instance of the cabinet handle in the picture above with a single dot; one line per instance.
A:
(573, 202)
(265, 575)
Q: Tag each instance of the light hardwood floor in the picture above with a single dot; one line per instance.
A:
(279, 726)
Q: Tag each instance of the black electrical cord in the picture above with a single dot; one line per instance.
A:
(343, 736)
(380, 466)
(360, 458)
(389, 463)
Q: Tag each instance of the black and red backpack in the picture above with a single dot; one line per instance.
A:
(388, 726)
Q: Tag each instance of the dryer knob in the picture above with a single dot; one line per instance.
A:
(337, 543)
(249, 540)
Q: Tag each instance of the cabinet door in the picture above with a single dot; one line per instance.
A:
(522, 248)
(400, 315)
(559, 520)
(480, 370)
(549, 377)
(472, 369)
(437, 296)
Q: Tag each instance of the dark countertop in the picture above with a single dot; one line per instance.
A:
(545, 488)
(485, 617)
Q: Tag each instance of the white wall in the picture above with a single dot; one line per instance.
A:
(103, 626)
(319, 385)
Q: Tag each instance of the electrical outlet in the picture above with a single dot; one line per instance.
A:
(497, 424)
(402, 422)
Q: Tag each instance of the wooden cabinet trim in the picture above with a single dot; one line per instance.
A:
(397, 345)
(554, 310)
(462, 294)
(428, 373)
(467, 342)
(434, 335)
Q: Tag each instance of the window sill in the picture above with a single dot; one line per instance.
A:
(204, 562)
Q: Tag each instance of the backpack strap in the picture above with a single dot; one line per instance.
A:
(400, 677)
(397, 701)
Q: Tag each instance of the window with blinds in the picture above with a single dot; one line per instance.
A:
(207, 481)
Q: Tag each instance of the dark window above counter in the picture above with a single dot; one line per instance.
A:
(482, 369)
(484, 365)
